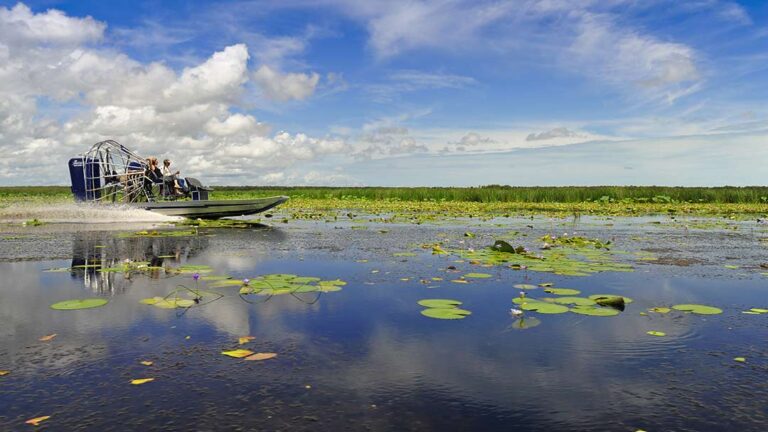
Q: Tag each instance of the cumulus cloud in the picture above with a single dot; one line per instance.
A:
(20, 26)
(285, 87)
(49, 61)
(386, 141)
(558, 132)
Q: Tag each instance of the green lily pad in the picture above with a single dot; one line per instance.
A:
(446, 313)
(525, 286)
(698, 309)
(627, 300)
(477, 276)
(525, 323)
(543, 307)
(594, 311)
(759, 310)
(740, 359)
(439, 303)
(656, 333)
(578, 301)
(521, 300)
(305, 279)
(76, 304)
(562, 291)
(226, 283)
(336, 282)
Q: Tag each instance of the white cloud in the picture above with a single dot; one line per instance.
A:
(19, 25)
(558, 132)
(51, 60)
(285, 87)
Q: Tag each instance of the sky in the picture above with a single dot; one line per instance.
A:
(391, 92)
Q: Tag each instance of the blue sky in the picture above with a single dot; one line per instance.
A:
(392, 92)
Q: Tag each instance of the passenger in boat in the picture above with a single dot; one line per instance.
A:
(152, 175)
(170, 177)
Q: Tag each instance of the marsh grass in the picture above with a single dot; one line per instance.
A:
(492, 194)
(608, 200)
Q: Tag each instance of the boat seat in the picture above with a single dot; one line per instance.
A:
(197, 191)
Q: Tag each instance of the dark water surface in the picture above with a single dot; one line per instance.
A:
(364, 358)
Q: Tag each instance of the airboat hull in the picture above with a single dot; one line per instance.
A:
(208, 209)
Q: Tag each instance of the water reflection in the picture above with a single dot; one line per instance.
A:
(95, 252)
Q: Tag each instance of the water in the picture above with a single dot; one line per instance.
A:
(364, 358)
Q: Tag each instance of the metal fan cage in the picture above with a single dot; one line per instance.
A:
(113, 173)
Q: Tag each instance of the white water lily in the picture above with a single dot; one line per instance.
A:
(516, 312)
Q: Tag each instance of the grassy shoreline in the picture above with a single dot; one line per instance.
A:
(478, 201)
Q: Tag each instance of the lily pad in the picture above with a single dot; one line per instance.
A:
(525, 323)
(698, 309)
(446, 313)
(578, 301)
(740, 359)
(656, 333)
(627, 300)
(562, 291)
(525, 286)
(542, 307)
(477, 276)
(595, 311)
(238, 353)
(76, 304)
(439, 303)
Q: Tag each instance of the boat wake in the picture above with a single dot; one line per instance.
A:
(79, 213)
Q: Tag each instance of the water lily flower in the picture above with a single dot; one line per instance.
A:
(246, 281)
(523, 267)
(196, 276)
(516, 312)
(522, 294)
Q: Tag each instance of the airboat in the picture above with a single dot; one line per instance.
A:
(110, 173)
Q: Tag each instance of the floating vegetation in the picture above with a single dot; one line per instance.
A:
(660, 309)
(443, 309)
(603, 297)
(238, 353)
(656, 333)
(525, 286)
(525, 323)
(174, 300)
(37, 420)
(277, 284)
(566, 256)
(740, 359)
(221, 223)
(141, 381)
(595, 311)
(562, 291)
(439, 303)
(477, 276)
(77, 304)
(698, 309)
(576, 301)
(543, 307)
